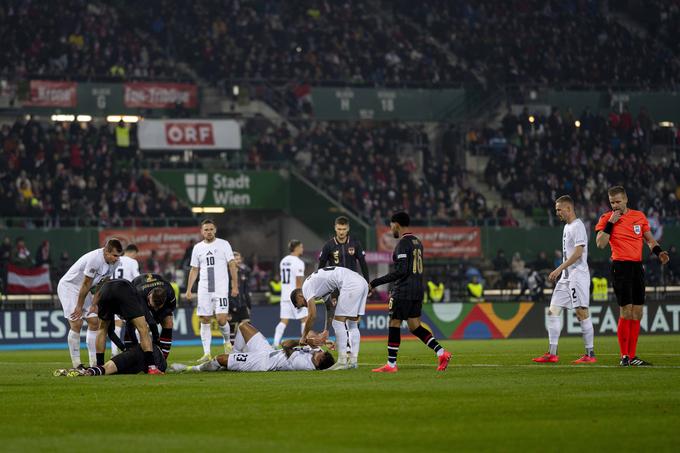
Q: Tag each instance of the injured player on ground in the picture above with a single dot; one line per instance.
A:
(252, 352)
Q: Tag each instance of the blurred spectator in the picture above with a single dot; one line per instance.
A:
(42, 255)
(152, 263)
(518, 267)
(20, 254)
(541, 261)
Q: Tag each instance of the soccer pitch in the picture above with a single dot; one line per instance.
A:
(492, 398)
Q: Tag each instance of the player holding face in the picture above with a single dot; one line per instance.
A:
(214, 258)
(252, 352)
(572, 290)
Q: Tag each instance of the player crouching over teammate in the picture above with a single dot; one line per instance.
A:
(252, 352)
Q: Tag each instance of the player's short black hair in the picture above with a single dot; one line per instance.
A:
(342, 220)
(158, 296)
(207, 221)
(293, 296)
(326, 361)
(401, 218)
(292, 245)
(114, 244)
(131, 248)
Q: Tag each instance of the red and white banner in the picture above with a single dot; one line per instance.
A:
(438, 242)
(28, 280)
(160, 95)
(189, 134)
(172, 240)
(46, 93)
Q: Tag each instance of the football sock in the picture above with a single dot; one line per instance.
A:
(588, 335)
(114, 349)
(232, 331)
(148, 359)
(96, 370)
(226, 332)
(91, 340)
(393, 342)
(212, 365)
(165, 341)
(278, 333)
(554, 328)
(74, 347)
(206, 336)
(427, 338)
(239, 342)
(354, 338)
(341, 336)
(622, 334)
(634, 332)
(100, 358)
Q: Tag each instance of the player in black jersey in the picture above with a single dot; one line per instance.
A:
(343, 250)
(145, 284)
(239, 306)
(120, 297)
(406, 296)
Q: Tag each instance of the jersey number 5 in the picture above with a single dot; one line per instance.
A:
(417, 261)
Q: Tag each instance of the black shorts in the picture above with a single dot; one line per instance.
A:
(628, 280)
(239, 314)
(132, 360)
(404, 309)
(118, 297)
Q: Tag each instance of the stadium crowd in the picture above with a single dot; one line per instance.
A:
(76, 39)
(59, 175)
(531, 163)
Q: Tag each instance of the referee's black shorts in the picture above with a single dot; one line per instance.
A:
(403, 309)
(132, 360)
(628, 279)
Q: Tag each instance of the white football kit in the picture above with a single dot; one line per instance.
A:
(127, 269)
(92, 265)
(258, 355)
(352, 286)
(212, 260)
(291, 268)
(573, 288)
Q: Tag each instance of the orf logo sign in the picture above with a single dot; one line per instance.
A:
(188, 134)
(196, 185)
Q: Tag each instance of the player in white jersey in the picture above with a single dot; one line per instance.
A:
(351, 305)
(572, 290)
(292, 270)
(252, 352)
(214, 259)
(73, 291)
(128, 269)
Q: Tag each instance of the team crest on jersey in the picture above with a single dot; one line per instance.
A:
(149, 277)
(350, 250)
(637, 229)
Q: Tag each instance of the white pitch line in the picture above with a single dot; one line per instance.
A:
(535, 366)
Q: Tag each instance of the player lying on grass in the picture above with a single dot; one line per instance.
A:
(130, 361)
(252, 352)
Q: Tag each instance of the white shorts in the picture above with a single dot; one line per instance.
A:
(210, 304)
(254, 356)
(352, 300)
(68, 296)
(573, 293)
(288, 311)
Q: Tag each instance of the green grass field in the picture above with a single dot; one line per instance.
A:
(492, 398)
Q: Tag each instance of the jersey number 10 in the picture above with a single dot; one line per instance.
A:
(210, 260)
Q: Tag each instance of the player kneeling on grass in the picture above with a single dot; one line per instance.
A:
(252, 352)
(119, 297)
(572, 290)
